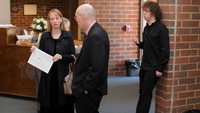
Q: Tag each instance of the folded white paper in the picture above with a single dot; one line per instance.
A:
(41, 60)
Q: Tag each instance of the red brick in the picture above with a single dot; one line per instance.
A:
(193, 100)
(174, 110)
(113, 69)
(116, 12)
(189, 52)
(190, 9)
(179, 102)
(194, 59)
(120, 49)
(195, 16)
(167, 8)
(177, 67)
(165, 81)
(161, 109)
(182, 60)
(162, 101)
(167, 75)
(114, 53)
(184, 2)
(182, 46)
(183, 16)
(188, 67)
(190, 24)
(195, 31)
(109, 8)
(197, 93)
(167, 23)
(114, 61)
(171, 61)
(164, 88)
(186, 81)
(198, 65)
(193, 73)
(168, 68)
(165, 1)
(181, 74)
(189, 38)
(94, 3)
(195, 2)
(180, 88)
(114, 45)
(175, 97)
(178, 24)
(104, 3)
(116, 3)
(194, 87)
(186, 94)
(170, 16)
(195, 45)
(198, 79)
(197, 106)
(183, 31)
(120, 57)
(166, 96)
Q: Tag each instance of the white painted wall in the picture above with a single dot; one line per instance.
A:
(5, 11)
(142, 25)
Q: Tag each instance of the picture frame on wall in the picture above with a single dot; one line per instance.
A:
(30, 9)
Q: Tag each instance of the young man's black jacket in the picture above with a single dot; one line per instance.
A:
(155, 47)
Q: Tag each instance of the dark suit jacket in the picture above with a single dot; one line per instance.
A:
(91, 67)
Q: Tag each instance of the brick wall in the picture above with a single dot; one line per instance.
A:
(19, 19)
(179, 89)
(113, 15)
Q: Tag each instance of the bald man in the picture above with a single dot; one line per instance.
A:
(91, 68)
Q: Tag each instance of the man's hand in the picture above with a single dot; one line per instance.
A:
(158, 74)
(86, 92)
(135, 40)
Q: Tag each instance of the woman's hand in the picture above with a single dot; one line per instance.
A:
(135, 40)
(57, 57)
(32, 49)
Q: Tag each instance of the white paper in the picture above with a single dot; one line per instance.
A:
(41, 60)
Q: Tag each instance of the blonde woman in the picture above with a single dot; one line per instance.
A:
(57, 42)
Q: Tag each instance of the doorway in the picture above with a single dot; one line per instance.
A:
(74, 26)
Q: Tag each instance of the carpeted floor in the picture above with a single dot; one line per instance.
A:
(122, 95)
(122, 98)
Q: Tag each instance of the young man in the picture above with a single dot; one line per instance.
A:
(91, 68)
(155, 47)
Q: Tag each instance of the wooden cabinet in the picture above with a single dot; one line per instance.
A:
(16, 75)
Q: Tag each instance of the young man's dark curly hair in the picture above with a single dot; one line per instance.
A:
(154, 8)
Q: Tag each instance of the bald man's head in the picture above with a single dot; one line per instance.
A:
(87, 10)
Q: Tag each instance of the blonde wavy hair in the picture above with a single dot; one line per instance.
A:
(56, 12)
